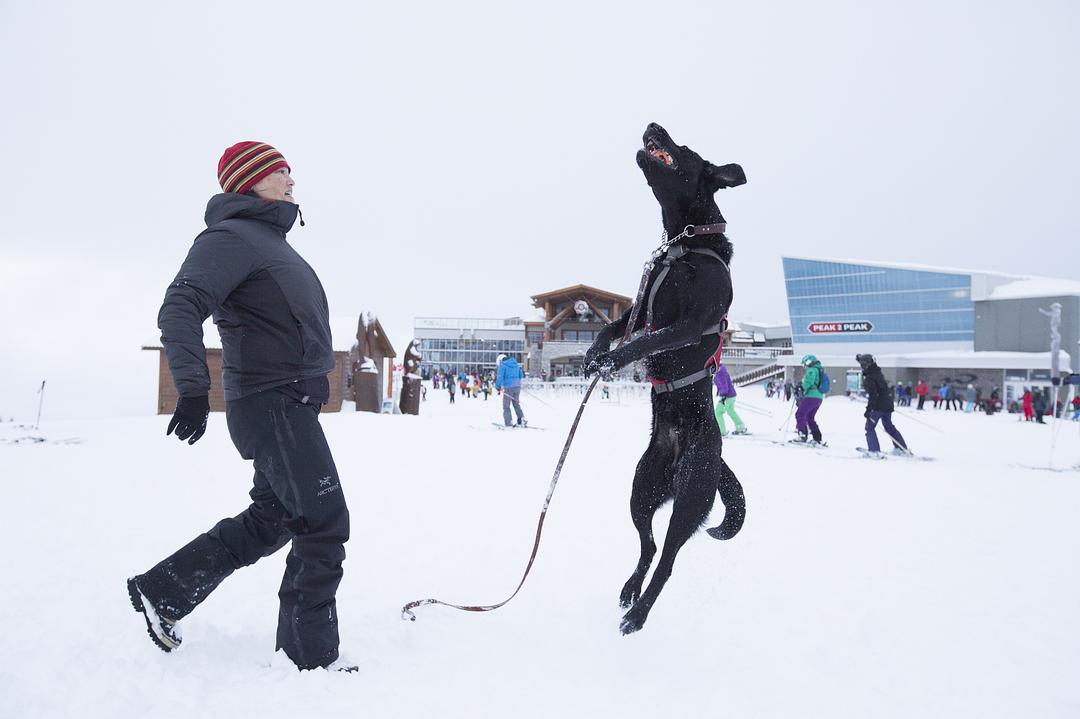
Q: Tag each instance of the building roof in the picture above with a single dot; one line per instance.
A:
(575, 292)
(771, 330)
(468, 323)
(1035, 287)
(909, 266)
(342, 329)
(942, 359)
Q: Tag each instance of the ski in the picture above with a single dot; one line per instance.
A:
(865, 453)
(500, 425)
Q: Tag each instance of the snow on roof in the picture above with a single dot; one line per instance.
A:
(1035, 287)
(942, 359)
(468, 323)
(770, 330)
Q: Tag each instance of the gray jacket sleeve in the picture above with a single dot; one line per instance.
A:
(215, 265)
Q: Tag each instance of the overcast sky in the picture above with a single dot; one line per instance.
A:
(455, 158)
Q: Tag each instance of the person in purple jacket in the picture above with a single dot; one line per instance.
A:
(725, 393)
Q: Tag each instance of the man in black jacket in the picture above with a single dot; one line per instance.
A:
(879, 407)
(273, 318)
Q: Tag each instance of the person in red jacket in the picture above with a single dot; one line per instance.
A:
(1029, 407)
(922, 389)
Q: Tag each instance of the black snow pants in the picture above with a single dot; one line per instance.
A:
(297, 497)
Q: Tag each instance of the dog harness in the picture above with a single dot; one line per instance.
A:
(660, 386)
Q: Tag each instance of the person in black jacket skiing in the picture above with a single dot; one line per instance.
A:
(272, 315)
(879, 407)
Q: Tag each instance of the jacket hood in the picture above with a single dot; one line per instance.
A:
(232, 205)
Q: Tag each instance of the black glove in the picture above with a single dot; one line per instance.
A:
(189, 419)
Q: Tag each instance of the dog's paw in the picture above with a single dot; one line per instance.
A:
(629, 595)
(631, 622)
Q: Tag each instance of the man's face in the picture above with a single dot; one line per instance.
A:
(277, 185)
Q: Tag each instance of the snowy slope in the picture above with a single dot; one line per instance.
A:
(856, 589)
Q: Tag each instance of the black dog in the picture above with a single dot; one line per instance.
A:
(681, 336)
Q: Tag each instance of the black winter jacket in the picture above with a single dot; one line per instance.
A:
(874, 383)
(267, 302)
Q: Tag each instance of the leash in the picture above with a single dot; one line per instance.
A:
(689, 231)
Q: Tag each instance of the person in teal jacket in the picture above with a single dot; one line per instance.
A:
(805, 417)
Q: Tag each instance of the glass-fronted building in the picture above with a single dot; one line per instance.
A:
(943, 325)
(467, 344)
(836, 304)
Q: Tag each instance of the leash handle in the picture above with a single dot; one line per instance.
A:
(406, 611)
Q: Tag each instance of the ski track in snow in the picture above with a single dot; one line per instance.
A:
(856, 589)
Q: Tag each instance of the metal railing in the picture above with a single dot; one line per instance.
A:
(756, 352)
(617, 391)
(757, 375)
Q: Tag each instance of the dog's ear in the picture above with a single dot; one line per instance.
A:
(717, 178)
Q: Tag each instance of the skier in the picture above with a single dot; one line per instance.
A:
(451, 388)
(725, 393)
(1038, 405)
(260, 291)
(969, 399)
(508, 381)
(878, 407)
(805, 422)
(1028, 403)
(921, 389)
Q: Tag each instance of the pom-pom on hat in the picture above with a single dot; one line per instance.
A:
(243, 165)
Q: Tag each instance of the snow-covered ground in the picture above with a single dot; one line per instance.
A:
(857, 588)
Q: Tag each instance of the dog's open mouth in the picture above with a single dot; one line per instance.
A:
(658, 153)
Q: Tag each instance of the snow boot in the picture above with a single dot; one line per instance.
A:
(163, 632)
(741, 430)
(901, 452)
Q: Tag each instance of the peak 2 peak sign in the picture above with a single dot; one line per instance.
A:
(835, 328)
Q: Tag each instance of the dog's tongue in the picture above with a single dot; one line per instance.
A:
(661, 155)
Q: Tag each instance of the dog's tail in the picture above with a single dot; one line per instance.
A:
(731, 494)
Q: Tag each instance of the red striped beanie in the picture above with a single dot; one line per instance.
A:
(243, 165)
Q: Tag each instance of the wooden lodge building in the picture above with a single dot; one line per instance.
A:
(556, 344)
(345, 332)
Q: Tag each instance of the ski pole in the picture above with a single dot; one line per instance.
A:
(41, 391)
(534, 397)
(912, 417)
(791, 411)
(755, 410)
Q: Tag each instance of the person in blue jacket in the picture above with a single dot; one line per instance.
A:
(508, 381)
